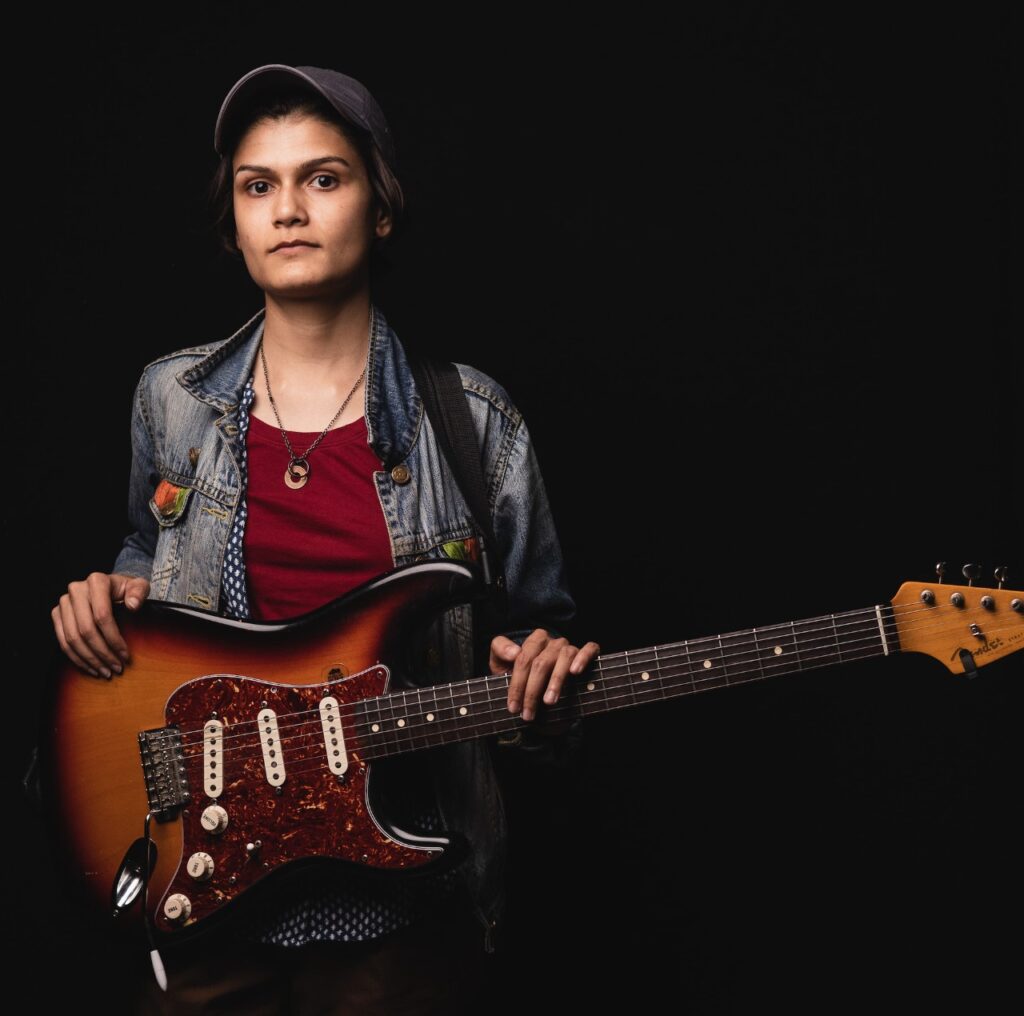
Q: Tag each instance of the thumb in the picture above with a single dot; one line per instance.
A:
(133, 590)
(509, 650)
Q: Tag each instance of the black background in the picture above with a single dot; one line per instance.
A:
(747, 277)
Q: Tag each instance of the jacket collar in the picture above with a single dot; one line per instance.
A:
(392, 404)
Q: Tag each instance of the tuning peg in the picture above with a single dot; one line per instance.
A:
(940, 570)
(971, 572)
(1002, 574)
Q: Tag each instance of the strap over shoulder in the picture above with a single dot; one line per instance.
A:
(440, 386)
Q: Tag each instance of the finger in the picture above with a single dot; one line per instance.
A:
(77, 660)
(528, 651)
(503, 651)
(91, 642)
(584, 657)
(102, 589)
(78, 646)
(559, 674)
(541, 670)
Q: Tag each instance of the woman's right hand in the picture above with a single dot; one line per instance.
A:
(84, 620)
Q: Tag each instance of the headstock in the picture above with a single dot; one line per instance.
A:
(963, 627)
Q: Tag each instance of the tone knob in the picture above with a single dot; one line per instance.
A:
(200, 866)
(215, 819)
(177, 908)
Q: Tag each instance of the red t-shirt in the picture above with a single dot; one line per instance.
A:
(303, 548)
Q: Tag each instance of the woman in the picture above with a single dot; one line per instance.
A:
(244, 503)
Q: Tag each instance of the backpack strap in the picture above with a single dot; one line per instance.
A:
(444, 398)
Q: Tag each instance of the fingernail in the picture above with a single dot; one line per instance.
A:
(104, 672)
(123, 653)
(527, 713)
(118, 668)
(513, 706)
(549, 696)
(132, 601)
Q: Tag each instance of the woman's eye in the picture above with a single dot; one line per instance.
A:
(257, 183)
(324, 176)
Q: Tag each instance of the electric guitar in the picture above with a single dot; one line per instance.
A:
(230, 750)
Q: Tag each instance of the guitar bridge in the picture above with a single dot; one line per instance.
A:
(163, 767)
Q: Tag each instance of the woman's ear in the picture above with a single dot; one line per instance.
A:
(384, 223)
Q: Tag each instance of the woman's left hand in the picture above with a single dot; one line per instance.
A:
(539, 668)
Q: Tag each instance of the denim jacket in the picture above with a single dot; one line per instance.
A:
(184, 429)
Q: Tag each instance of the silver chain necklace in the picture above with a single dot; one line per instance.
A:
(296, 474)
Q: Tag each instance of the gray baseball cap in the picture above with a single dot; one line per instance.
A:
(349, 97)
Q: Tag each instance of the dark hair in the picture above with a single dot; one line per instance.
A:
(281, 102)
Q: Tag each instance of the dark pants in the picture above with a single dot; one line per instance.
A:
(436, 965)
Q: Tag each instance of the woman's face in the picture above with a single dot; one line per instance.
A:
(300, 179)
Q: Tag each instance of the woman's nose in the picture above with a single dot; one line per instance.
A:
(288, 207)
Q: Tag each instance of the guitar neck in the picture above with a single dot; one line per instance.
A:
(418, 718)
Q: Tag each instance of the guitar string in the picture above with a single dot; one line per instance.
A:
(835, 655)
(866, 624)
(314, 737)
(606, 669)
(295, 767)
(314, 733)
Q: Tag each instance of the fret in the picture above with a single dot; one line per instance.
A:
(418, 724)
(450, 725)
(796, 648)
(592, 691)
(373, 736)
(815, 635)
(658, 677)
(835, 635)
(493, 709)
(779, 652)
(689, 665)
(757, 653)
(628, 680)
(721, 652)
(430, 718)
(707, 665)
(397, 721)
(741, 660)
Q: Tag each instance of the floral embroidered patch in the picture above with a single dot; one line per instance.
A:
(168, 501)
(462, 550)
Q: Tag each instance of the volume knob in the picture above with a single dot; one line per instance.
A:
(215, 819)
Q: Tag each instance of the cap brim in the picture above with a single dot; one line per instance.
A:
(246, 87)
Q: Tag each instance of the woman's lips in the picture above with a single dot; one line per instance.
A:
(292, 247)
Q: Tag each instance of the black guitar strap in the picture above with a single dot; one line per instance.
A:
(444, 399)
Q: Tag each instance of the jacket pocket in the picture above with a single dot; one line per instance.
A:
(169, 502)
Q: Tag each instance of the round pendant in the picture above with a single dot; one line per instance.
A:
(297, 473)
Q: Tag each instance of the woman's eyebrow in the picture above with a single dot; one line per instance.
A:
(304, 167)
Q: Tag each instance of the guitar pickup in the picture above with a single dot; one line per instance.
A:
(334, 736)
(163, 768)
(270, 742)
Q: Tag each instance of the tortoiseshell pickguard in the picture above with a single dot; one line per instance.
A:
(314, 813)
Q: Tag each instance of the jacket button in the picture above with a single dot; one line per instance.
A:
(401, 474)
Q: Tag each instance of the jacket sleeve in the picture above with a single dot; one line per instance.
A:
(536, 586)
(139, 547)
